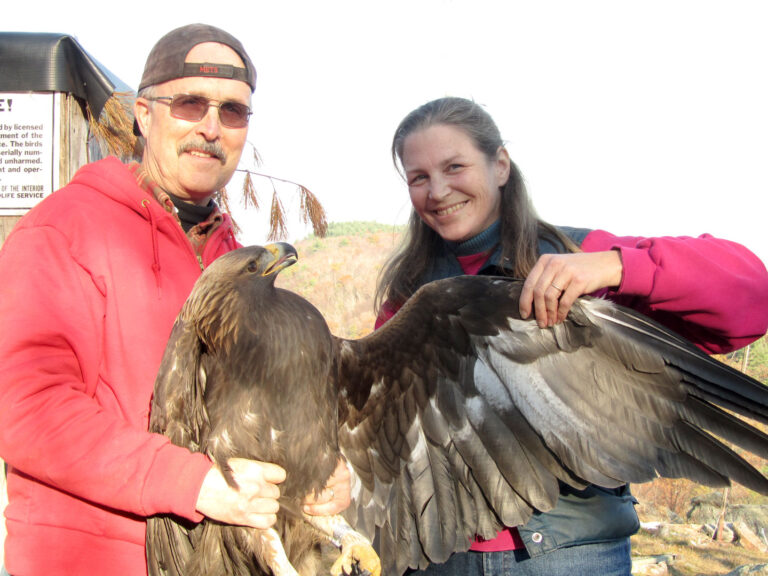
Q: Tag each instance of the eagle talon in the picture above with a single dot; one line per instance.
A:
(357, 559)
(357, 571)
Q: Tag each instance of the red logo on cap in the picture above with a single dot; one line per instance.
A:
(209, 69)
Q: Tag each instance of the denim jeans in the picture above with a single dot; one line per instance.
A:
(603, 559)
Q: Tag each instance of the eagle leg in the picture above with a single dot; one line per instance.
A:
(277, 558)
(357, 553)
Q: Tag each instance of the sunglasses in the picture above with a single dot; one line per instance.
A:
(193, 108)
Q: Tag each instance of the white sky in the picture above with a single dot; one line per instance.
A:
(646, 118)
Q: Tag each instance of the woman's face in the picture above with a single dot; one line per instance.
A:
(454, 186)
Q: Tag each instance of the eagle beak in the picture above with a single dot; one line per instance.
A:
(283, 255)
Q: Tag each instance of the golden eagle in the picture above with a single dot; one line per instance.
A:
(456, 417)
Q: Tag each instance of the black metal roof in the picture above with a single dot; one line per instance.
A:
(48, 62)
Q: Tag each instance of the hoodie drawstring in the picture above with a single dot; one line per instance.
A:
(155, 245)
(232, 237)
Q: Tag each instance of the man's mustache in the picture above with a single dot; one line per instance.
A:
(212, 148)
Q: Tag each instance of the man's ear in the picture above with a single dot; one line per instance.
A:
(142, 114)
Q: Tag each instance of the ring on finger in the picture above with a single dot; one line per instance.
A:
(556, 287)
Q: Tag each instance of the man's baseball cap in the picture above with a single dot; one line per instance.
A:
(166, 60)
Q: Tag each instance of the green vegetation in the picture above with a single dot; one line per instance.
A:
(757, 361)
(360, 228)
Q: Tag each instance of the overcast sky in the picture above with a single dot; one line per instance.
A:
(646, 118)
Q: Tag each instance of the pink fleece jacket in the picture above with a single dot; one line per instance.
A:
(93, 278)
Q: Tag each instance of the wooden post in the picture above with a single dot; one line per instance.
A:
(745, 359)
(73, 140)
(6, 225)
(719, 534)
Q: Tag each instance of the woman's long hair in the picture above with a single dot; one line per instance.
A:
(520, 226)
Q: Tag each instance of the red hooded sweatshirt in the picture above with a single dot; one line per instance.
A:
(93, 278)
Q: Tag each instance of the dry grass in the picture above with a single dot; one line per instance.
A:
(338, 275)
(696, 555)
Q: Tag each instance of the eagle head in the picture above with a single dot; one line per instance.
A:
(235, 282)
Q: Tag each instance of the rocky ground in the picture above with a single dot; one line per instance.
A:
(692, 545)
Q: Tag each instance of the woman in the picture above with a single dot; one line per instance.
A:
(471, 215)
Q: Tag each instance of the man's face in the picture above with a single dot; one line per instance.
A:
(189, 159)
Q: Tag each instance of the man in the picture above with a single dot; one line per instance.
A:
(93, 279)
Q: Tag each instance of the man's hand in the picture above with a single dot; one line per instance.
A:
(556, 280)
(253, 504)
(337, 494)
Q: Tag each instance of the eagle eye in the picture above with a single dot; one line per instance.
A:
(252, 266)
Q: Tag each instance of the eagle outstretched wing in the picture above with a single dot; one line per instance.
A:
(458, 417)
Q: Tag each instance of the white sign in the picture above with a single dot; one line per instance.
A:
(26, 150)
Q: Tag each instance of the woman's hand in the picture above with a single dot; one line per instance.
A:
(253, 503)
(556, 280)
(337, 494)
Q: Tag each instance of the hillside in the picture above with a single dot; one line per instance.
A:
(338, 275)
